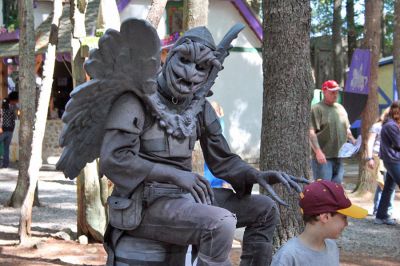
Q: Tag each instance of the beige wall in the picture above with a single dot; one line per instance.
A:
(50, 151)
(385, 81)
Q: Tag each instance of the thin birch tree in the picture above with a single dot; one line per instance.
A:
(156, 10)
(195, 13)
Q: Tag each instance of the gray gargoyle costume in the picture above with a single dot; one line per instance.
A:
(143, 124)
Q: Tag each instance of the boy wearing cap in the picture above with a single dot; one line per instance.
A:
(325, 208)
(329, 130)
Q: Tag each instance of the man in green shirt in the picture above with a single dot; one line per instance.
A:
(329, 130)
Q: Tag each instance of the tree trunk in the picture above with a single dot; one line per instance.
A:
(337, 41)
(384, 49)
(351, 30)
(92, 212)
(372, 41)
(396, 44)
(156, 11)
(195, 13)
(27, 105)
(30, 172)
(287, 86)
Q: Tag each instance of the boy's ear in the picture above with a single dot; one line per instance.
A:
(324, 217)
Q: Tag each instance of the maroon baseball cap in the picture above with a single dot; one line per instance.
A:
(324, 196)
(330, 85)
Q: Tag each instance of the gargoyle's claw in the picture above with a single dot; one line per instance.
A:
(275, 196)
(283, 179)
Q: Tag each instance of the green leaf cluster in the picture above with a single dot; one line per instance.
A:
(10, 11)
(322, 16)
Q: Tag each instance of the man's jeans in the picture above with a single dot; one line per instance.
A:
(392, 179)
(377, 199)
(332, 170)
(6, 137)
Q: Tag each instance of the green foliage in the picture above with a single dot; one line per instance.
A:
(322, 14)
(10, 11)
(388, 14)
(359, 11)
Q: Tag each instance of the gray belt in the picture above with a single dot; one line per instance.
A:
(154, 190)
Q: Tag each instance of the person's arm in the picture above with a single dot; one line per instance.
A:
(393, 131)
(369, 150)
(350, 136)
(230, 167)
(319, 154)
(119, 154)
(314, 127)
(120, 160)
(222, 162)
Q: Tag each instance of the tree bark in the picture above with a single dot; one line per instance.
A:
(39, 124)
(396, 44)
(372, 41)
(351, 30)
(92, 212)
(195, 13)
(27, 105)
(156, 11)
(27, 89)
(337, 41)
(384, 49)
(288, 86)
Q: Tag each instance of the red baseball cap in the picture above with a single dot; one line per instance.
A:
(324, 196)
(330, 85)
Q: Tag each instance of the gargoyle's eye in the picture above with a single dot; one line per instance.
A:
(184, 60)
(200, 67)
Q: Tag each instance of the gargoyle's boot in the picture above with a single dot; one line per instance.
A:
(256, 254)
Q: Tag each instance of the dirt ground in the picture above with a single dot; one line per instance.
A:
(362, 243)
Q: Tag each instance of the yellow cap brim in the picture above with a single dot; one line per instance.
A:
(354, 211)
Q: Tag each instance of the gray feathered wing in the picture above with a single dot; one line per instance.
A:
(125, 61)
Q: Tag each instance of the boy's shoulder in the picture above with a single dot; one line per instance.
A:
(288, 253)
(294, 253)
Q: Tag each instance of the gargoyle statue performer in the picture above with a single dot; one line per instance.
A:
(142, 121)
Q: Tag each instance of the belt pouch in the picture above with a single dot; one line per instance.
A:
(126, 213)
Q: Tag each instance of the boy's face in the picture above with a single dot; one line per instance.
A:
(334, 224)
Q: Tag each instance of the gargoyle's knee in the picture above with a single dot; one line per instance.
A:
(216, 239)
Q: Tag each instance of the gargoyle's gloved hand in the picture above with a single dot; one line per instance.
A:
(267, 178)
(194, 183)
(197, 185)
